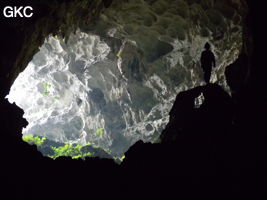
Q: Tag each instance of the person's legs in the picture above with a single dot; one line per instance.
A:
(207, 74)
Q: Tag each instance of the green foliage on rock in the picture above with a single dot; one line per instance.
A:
(69, 150)
(46, 88)
(63, 18)
(75, 151)
(120, 159)
(100, 131)
(38, 141)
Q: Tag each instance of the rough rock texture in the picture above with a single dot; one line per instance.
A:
(50, 17)
(121, 73)
(149, 172)
(153, 26)
(198, 138)
(215, 113)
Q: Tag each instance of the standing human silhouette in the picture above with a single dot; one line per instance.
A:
(207, 62)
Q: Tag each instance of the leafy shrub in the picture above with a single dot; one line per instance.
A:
(100, 131)
(38, 141)
(46, 88)
(69, 150)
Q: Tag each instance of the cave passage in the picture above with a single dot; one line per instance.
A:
(77, 103)
(97, 93)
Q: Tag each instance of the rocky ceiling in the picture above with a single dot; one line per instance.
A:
(142, 53)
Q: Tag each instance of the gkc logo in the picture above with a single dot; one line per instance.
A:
(15, 11)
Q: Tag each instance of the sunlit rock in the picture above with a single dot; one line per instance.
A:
(113, 83)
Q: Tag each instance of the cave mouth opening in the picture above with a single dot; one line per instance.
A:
(61, 99)
(78, 103)
(90, 96)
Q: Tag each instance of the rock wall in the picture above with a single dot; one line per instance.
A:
(121, 72)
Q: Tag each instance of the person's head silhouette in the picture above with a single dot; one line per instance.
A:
(207, 46)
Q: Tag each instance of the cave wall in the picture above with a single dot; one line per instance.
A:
(24, 168)
(30, 33)
(50, 17)
(161, 42)
(154, 26)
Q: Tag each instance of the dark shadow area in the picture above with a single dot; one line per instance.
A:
(212, 151)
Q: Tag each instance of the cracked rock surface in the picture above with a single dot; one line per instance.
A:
(113, 82)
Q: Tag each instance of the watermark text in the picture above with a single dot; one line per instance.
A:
(18, 11)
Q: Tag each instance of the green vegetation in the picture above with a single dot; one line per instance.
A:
(46, 88)
(120, 159)
(38, 141)
(118, 54)
(69, 150)
(75, 151)
(100, 131)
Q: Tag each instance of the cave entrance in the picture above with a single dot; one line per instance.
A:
(97, 96)
(78, 104)
(62, 101)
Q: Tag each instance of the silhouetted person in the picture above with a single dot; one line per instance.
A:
(207, 62)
